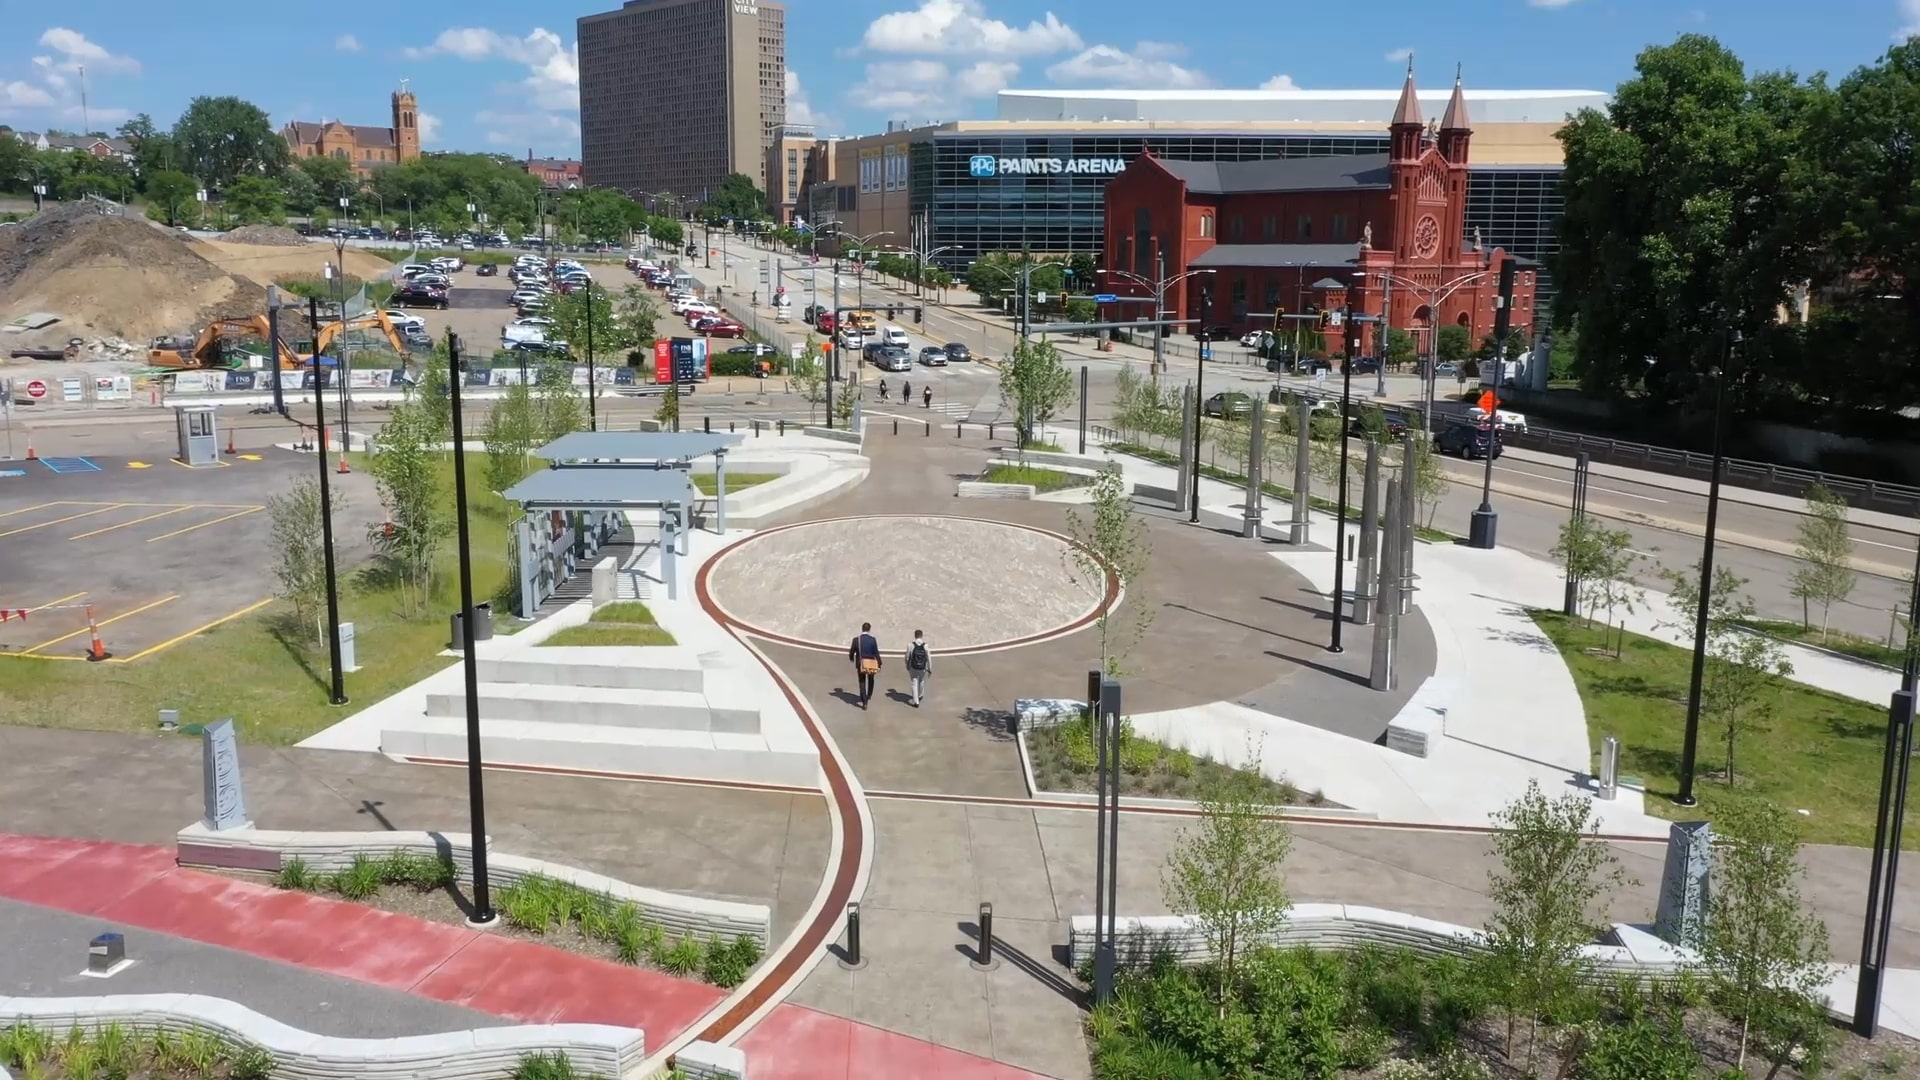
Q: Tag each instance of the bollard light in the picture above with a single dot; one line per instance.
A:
(106, 953)
(706, 425)
(896, 425)
(986, 932)
(853, 934)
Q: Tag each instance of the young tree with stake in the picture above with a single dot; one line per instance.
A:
(1111, 538)
(1743, 668)
(299, 559)
(1035, 385)
(1824, 547)
(1227, 873)
(807, 378)
(406, 470)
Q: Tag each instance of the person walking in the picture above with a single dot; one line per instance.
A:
(926, 397)
(919, 663)
(864, 653)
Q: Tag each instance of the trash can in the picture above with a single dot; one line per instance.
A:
(459, 626)
(1273, 395)
(483, 621)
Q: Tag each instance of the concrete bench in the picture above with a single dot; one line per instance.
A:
(977, 489)
(1415, 732)
(705, 1061)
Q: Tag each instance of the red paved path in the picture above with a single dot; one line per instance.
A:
(131, 885)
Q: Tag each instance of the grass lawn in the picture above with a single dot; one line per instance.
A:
(1063, 760)
(1837, 641)
(735, 481)
(1042, 479)
(267, 673)
(1820, 753)
(623, 622)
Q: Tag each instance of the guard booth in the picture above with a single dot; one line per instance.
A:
(199, 437)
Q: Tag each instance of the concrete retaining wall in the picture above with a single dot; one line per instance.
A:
(480, 1054)
(1047, 459)
(264, 850)
(976, 489)
(836, 434)
(707, 1061)
(1629, 951)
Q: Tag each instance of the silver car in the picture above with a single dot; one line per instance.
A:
(933, 356)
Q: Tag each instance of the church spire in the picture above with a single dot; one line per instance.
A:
(1408, 111)
(1456, 115)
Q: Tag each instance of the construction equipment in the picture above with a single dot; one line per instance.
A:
(368, 321)
(217, 346)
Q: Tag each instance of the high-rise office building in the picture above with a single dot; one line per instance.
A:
(658, 116)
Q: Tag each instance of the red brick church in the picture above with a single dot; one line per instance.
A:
(1315, 233)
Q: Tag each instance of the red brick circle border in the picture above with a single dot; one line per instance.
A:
(1107, 603)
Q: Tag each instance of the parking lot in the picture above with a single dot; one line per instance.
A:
(152, 551)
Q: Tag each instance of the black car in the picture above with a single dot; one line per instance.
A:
(420, 296)
(958, 353)
(539, 348)
(488, 270)
(1470, 441)
(1365, 365)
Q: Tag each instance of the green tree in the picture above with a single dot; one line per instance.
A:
(16, 164)
(221, 139)
(1740, 683)
(1548, 894)
(169, 193)
(668, 414)
(1764, 954)
(1453, 344)
(1228, 872)
(1082, 311)
(1824, 546)
(299, 556)
(1679, 218)
(1401, 348)
(737, 198)
(559, 406)
(1035, 385)
(406, 472)
(570, 313)
(509, 432)
(807, 378)
(1602, 560)
(333, 179)
(298, 190)
(1111, 538)
(254, 200)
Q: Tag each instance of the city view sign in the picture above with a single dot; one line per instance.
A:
(987, 166)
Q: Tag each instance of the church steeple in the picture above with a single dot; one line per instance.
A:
(1455, 127)
(1407, 125)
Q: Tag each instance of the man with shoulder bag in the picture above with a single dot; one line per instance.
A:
(864, 653)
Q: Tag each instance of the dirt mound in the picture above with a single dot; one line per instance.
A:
(267, 235)
(108, 276)
(265, 265)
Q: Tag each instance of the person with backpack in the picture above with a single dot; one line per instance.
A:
(864, 653)
(919, 663)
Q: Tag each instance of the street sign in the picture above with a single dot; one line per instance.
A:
(1105, 298)
(36, 389)
(1040, 298)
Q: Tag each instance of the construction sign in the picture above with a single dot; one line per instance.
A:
(1488, 403)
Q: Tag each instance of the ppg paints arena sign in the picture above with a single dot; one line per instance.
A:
(986, 166)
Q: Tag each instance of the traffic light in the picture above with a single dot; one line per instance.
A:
(1326, 320)
(916, 316)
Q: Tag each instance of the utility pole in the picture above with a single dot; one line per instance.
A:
(1199, 403)
(337, 688)
(1340, 516)
(1485, 524)
(1159, 313)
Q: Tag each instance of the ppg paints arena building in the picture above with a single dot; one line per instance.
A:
(1034, 178)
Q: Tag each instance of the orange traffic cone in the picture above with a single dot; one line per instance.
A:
(230, 449)
(343, 470)
(31, 456)
(98, 650)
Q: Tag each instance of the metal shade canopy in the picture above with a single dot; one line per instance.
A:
(602, 489)
(637, 446)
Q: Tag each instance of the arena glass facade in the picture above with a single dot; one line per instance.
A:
(1514, 207)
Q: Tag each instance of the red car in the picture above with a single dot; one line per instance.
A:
(827, 322)
(720, 327)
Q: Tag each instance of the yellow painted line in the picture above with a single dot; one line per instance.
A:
(62, 600)
(158, 506)
(204, 524)
(27, 656)
(249, 457)
(138, 465)
(172, 641)
(42, 506)
(135, 521)
(102, 622)
(56, 521)
(212, 465)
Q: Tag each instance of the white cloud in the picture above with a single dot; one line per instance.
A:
(23, 95)
(1280, 82)
(518, 132)
(429, 129)
(1107, 65)
(985, 78)
(1910, 20)
(799, 109)
(553, 79)
(901, 86)
(347, 43)
(1400, 55)
(948, 27)
(77, 52)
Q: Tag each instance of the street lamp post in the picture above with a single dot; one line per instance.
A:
(1484, 527)
(1199, 405)
(337, 689)
(1352, 331)
(593, 396)
(340, 335)
(1433, 297)
(1158, 286)
(483, 914)
(1689, 749)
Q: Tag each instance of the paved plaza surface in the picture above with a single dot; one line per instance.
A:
(46, 949)
(752, 846)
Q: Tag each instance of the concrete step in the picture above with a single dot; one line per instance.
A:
(657, 667)
(593, 748)
(664, 709)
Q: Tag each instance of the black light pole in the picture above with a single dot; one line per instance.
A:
(483, 914)
(338, 690)
(1895, 768)
(593, 402)
(1199, 402)
(1689, 750)
(1485, 523)
(1340, 515)
(273, 348)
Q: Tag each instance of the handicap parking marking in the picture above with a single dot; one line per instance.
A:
(203, 524)
(9, 473)
(70, 464)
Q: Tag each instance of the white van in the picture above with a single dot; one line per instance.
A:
(893, 335)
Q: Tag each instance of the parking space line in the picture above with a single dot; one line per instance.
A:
(203, 506)
(135, 521)
(100, 623)
(202, 525)
(177, 639)
(57, 603)
(56, 521)
(42, 506)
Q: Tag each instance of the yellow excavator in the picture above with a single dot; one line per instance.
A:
(218, 344)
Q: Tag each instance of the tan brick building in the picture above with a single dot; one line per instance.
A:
(365, 148)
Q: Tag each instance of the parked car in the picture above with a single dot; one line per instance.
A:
(402, 319)
(414, 294)
(487, 270)
(1446, 369)
(1470, 441)
(753, 348)
(416, 336)
(1508, 421)
(1228, 404)
(720, 327)
(1254, 339)
(933, 356)
(958, 353)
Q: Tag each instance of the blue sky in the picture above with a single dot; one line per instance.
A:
(500, 75)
